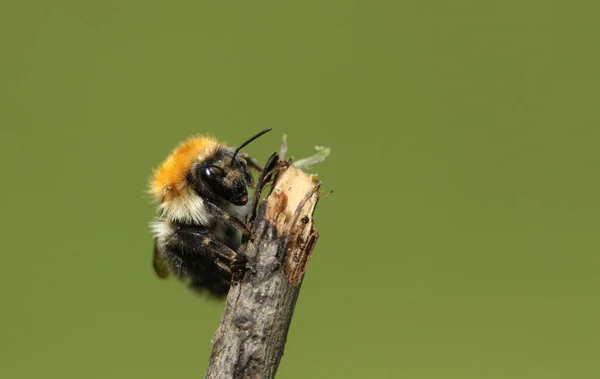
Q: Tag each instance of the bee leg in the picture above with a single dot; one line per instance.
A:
(251, 163)
(223, 215)
(196, 248)
(226, 260)
(263, 179)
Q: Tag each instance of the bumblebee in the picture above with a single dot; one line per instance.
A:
(202, 191)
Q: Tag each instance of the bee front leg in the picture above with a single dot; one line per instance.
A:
(263, 179)
(225, 216)
(251, 162)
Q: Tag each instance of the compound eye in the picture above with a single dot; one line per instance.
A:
(213, 172)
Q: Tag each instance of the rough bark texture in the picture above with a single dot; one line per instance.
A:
(250, 340)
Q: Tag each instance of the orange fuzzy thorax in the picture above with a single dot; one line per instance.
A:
(170, 178)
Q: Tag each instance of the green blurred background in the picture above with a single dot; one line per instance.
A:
(462, 237)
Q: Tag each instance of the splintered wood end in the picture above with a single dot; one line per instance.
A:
(290, 208)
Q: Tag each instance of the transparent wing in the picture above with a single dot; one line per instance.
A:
(161, 266)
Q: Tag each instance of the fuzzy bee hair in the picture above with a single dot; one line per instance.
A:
(202, 194)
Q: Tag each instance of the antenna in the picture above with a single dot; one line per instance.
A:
(246, 143)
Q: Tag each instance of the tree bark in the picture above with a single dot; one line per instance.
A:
(250, 341)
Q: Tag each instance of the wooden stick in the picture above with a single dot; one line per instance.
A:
(251, 338)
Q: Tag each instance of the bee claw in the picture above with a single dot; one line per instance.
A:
(247, 236)
(239, 263)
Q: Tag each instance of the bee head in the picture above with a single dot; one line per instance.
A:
(227, 178)
(226, 173)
